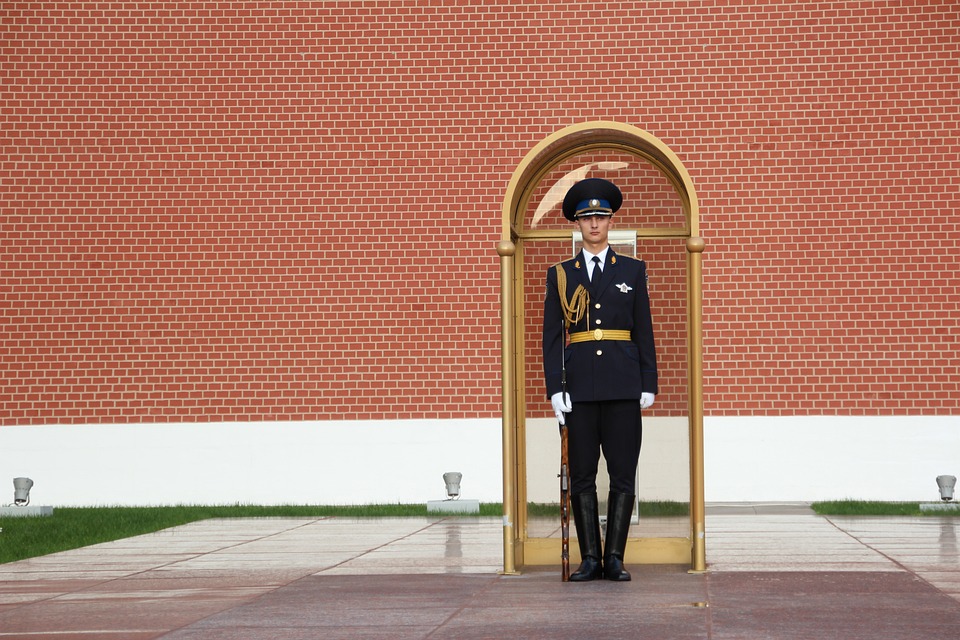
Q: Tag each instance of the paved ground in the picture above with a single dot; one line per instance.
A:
(775, 571)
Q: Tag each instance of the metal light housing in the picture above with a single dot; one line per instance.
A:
(452, 480)
(946, 485)
(21, 491)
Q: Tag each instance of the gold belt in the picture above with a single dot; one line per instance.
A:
(600, 334)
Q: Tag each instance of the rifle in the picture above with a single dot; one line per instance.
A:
(572, 312)
(564, 473)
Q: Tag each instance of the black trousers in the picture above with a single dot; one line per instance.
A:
(612, 426)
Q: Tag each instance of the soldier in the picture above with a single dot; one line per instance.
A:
(600, 297)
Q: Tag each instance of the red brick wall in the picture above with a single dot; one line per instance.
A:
(179, 183)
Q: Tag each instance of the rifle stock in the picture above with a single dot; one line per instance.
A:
(564, 506)
(564, 469)
(564, 438)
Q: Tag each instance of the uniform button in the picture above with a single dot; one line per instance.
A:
(598, 320)
(596, 306)
(599, 352)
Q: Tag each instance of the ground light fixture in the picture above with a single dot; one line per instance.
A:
(452, 480)
(21, 491)
(453, 504)
(21, 501)
(946, 485)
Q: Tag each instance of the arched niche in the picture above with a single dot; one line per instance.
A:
(535, 178)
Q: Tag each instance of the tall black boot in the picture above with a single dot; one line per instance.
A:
(586, 517)
(619, 510)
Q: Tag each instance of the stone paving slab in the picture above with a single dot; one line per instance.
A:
(779, 572)
(842, 605)
(533, 605)
(662, 602)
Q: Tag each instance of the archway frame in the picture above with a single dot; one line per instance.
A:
(595, 136)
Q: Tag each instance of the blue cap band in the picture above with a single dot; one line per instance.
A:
(593, 204)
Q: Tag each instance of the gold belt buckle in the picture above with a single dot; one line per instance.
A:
(598, 334)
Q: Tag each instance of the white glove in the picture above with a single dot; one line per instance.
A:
(561, 405)
(646, 400)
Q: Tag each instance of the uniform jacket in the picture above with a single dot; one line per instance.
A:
(606, 369)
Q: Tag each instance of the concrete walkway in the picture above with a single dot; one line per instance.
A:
(775, 571)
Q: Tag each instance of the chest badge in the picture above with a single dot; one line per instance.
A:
(624, 287)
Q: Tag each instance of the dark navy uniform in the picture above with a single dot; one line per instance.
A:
(609, 363)
(601, 370)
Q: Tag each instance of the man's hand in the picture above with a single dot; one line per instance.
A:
(646, 400)
(561, 405)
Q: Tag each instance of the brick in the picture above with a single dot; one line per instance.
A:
(176, 180)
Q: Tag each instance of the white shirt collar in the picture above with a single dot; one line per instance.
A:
(588, 257)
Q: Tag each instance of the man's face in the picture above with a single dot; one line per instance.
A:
(595, 230)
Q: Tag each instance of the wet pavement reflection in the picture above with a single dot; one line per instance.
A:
(438, 577)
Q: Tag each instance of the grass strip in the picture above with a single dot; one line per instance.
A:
(874, 508)
(75, 527)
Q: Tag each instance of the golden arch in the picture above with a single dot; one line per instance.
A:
(539, 161)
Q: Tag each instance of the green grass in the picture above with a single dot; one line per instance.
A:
(664, 509)
(647, 509)
(872, 508)
(71, 528)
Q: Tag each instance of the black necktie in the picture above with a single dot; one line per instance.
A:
(597, 271)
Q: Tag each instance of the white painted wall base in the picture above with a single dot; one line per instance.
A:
(325, 462)
(762, 459)
(808, 458)
(663, 472)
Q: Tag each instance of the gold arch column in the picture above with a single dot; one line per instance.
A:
(539, 161)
